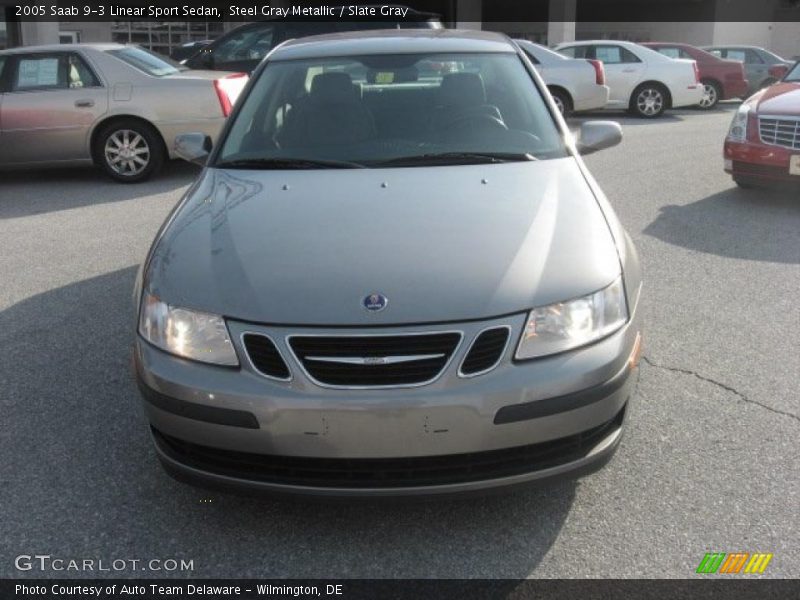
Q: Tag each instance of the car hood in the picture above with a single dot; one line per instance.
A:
(780, 99)
(441, 243)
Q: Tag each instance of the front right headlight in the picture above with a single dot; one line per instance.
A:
(186, 333)
(568, 325)
(738, 129)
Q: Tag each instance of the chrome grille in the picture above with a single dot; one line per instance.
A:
(780, 131)
(374, 361)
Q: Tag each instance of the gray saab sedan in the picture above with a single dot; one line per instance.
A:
(394, 276)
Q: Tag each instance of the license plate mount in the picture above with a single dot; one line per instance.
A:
(794, 164)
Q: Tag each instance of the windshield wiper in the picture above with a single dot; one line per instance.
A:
(457, 158)
(287, 163)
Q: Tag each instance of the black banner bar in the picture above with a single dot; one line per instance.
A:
(413, 589)
(450, 11)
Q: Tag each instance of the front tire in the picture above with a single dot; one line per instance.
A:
(129, 151)
(711, 95)
(648, 101)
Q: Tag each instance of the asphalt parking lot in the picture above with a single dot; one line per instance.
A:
(708, 463)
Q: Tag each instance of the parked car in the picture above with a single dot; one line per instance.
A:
(241, 49)
(188, 49)
(640, 79)
(763, 143)
(382, 285)
(761, 67)
(119, 107)
(722, 79)
(575, 84)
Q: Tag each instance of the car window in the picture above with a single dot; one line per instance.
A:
(144, 60)
(39, 72)
(252, 43)
(571, 51)
(716, 52)
(669, 51)
(3, 61)
(753, 58)
(614, 55)
(794, 73)
(735, 54)
(79, 75)
(375, 109)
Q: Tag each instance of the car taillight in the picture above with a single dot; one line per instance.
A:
(599, 71)
(778, 71)
(696, 72)
(228, 89)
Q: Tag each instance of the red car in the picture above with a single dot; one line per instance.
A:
(722, 79)
(763, 143)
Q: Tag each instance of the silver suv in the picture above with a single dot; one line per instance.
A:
(394, 276)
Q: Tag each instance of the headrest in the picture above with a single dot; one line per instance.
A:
(333, 87)
(462, 89)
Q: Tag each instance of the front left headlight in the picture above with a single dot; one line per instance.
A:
(737, 132)
(567, 325)
(186, 333)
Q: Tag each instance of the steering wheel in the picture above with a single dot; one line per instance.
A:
(473, 121)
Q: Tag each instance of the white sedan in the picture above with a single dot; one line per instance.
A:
(575, 84)
(641, 80)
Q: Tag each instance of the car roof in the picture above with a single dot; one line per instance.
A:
(63, 48)
(596, 42)
(746, 46)
(393, 41)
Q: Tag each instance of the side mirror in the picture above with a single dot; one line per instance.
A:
(597, 135)
(194, 147)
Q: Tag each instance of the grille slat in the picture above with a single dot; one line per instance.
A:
(265, 357)
(780, 131)
(486, 351)
(388, 472)
(424, 356)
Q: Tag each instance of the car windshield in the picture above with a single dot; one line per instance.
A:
(149, 62)
(794, 74)
(392, 110)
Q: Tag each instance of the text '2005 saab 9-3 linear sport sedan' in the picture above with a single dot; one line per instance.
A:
(394, 276)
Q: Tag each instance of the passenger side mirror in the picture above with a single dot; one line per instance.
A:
(597, 135)
(193, 147)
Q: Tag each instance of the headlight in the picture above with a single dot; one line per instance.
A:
(567, 325)
(738, 128)
(187, 333)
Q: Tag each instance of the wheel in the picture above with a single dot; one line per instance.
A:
(563, 101)
(649, 100)
(711, 95)
(129, 150)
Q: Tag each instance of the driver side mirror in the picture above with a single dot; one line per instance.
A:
(598, 135)
(193, 147)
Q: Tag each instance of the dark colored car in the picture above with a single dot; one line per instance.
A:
(184, 51)
(722, 79)
(761, 67)
(763, 143)
(241, 49)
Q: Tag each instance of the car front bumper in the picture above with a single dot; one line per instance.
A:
(760, 162)
(522, 422)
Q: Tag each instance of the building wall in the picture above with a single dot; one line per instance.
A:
(88, 32)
